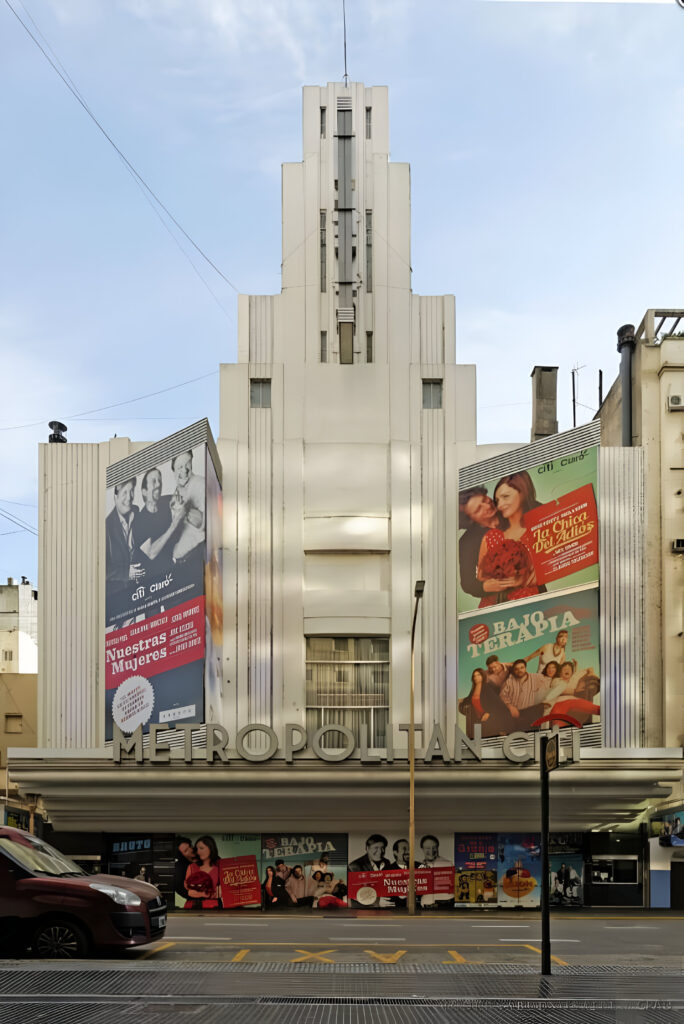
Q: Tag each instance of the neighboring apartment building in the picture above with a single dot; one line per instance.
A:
(18, 626)
(652, 419)
(344, 424)
(18, 683)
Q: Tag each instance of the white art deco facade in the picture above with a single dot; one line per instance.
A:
(343, 425)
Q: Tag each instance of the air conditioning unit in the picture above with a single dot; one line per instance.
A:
(678, 546)
(675, 403)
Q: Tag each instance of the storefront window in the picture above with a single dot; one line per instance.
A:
(616, 871)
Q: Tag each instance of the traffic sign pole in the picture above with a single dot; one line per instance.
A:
(548, 760)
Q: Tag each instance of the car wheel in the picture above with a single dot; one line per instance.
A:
(60, 940)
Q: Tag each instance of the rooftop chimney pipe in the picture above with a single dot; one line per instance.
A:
(544, 400)
(625, 346)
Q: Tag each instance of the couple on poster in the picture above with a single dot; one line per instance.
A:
(495, 555)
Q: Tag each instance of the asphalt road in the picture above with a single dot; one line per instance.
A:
(590, 938)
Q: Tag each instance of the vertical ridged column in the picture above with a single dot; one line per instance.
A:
(260, 570)
(71, 596)
(434, 568)
(621, 515)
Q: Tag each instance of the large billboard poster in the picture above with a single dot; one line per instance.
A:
(379, 871)
(156, 614)
(522, 662)
(529, 532)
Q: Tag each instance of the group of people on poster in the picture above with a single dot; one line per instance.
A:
(506, 696)
(303, 885)
(378, 877)
(156, 527)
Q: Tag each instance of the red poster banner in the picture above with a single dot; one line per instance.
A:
(165, 641)
(366, 887)
(239, 878)
(563, 535)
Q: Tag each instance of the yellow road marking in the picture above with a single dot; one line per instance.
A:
(414, 945)
(558, 960)
(157, 949)
(312, 956)
(456, 957)
(386, 958)
(240, 955)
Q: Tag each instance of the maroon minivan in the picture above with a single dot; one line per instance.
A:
(48, 903)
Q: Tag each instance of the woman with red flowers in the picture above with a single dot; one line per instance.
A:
(202, 878)
(504, 554)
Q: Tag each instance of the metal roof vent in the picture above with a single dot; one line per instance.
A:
(58, 430)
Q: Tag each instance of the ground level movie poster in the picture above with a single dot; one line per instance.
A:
(520, 663)
(565, 880)
(475, 863)
(157, 617)
(529, 532)
(669, 827)
(300, 870)
(519, 870)
(379, 870)
(217, 871)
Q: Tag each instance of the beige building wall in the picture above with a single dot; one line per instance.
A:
(18, 720)
(344, 492)
(658, 427)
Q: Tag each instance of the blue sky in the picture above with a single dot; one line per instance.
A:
(546, 144)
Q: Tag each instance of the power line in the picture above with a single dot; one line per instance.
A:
(116, 405)
(57, 66)
(140, 398)
(15, 521)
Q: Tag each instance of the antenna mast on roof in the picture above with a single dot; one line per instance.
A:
(344, 26)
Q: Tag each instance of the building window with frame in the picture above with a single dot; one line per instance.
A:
(14, 723)
(260, 394)
(369, 250)
(432, 394)
(369, 121)
(7, 655)
(324, 119)
(347, 683)
(369, 346)
(324, 251)
(324, 346)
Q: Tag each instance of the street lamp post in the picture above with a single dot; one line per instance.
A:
(417, 593)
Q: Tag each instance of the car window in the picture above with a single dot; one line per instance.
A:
(38, 857)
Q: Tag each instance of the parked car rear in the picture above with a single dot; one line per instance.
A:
(51, 905)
